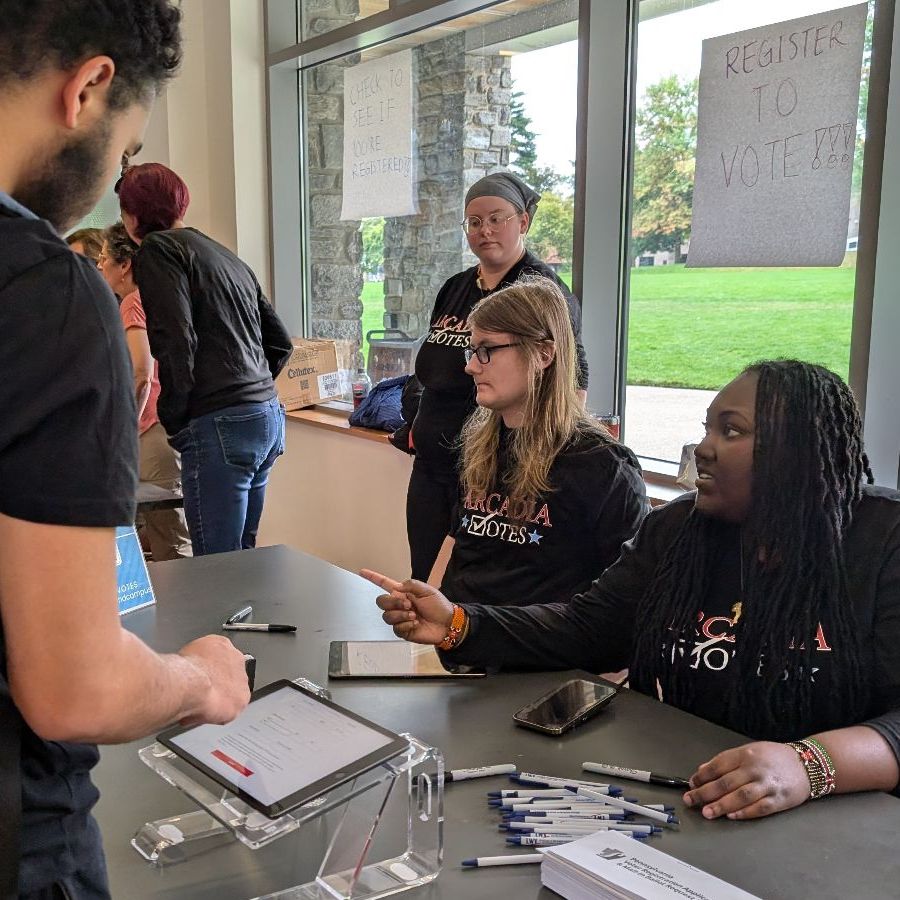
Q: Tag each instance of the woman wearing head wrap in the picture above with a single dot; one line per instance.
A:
(498, 212)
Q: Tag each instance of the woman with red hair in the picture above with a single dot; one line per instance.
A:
(219, 346)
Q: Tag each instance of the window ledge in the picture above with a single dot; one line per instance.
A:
(661, 487)
(661, 493)
(659, 476)
(335, 419)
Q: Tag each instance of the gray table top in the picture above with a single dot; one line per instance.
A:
(841, 847)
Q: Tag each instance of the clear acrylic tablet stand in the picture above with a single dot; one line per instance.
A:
(397, 807)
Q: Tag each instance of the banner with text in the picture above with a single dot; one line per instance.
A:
(379, 170)
(135, 589)
(776, 135)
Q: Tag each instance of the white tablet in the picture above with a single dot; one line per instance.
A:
(286, 748)
(391, 659)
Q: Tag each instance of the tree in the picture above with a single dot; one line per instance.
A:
(523, 150)
(373, 245)
(553, 227)
(862, 114)
(666, 138)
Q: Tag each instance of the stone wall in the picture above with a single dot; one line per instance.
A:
(319, 16)
(462, 132)
(335, 247)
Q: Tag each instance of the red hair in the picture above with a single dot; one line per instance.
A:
(155, 195)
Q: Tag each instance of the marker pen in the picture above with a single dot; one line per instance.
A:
(259, 626)
(636, 775)
(240, 615)
(479, 772)
(569, 826)
(551, 781)
(534, 794)
(574, 816)
(573, 825)
(631, 807)
(481, 862)
(533, 840)
(519, 806)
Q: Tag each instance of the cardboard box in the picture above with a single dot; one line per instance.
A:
(310, 376)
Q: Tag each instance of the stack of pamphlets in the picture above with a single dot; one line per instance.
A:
(608, 866)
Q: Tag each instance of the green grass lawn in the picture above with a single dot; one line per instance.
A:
(698, 328)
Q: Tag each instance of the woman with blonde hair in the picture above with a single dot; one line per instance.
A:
(499, 210)
(548, 497)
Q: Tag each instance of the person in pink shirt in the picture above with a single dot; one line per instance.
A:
(165, 530)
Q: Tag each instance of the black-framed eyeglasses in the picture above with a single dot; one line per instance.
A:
(494, 222)
(483, 353)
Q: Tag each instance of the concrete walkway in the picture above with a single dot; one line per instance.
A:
(660, 420)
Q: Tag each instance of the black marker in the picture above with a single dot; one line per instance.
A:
(635, 775)
(259, 626)
(240, 615)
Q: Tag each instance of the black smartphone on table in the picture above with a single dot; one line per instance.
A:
(566, 706)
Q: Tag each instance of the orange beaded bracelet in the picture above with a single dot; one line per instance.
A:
(457, 623)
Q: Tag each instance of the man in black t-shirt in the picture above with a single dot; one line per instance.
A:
(77, 81)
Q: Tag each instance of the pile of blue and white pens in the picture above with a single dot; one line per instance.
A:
(544, 811)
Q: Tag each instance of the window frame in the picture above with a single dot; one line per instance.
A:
(607, 47)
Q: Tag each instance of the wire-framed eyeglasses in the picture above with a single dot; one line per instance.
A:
(483, 353)
(494, 222)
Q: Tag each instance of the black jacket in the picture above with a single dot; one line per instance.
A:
(216, 338)
(566, 539)
(448, 397)
(595, 630)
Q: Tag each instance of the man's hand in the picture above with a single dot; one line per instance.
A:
(416, 611)
(223, 664)
(749, 782)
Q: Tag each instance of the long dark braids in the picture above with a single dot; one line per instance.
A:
(808, 470)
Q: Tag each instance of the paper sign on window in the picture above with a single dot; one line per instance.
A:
(776, 140)
(379, 164)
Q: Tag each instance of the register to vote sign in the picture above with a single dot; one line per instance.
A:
(132, 577)
(775, 143)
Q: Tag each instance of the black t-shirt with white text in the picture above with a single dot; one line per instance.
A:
(561, 542)
(704, 656)
(68, 456)
(596, 629)
(448, 395)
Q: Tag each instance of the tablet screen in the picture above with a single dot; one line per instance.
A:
(390, 659)
(287, 747)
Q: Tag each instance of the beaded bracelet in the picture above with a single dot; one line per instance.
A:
(457, 623)
(818, 764)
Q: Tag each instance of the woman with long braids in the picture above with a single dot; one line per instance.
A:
(548, 497)
(767, 602)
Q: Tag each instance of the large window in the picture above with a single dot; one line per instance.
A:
(478, 99)
(691, 330)
(597, 105)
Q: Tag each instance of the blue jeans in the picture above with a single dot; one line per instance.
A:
(226, 457)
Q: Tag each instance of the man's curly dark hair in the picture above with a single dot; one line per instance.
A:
(142, 37)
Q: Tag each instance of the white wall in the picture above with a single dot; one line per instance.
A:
(210, 126)
(340, 498)
(337, 497)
